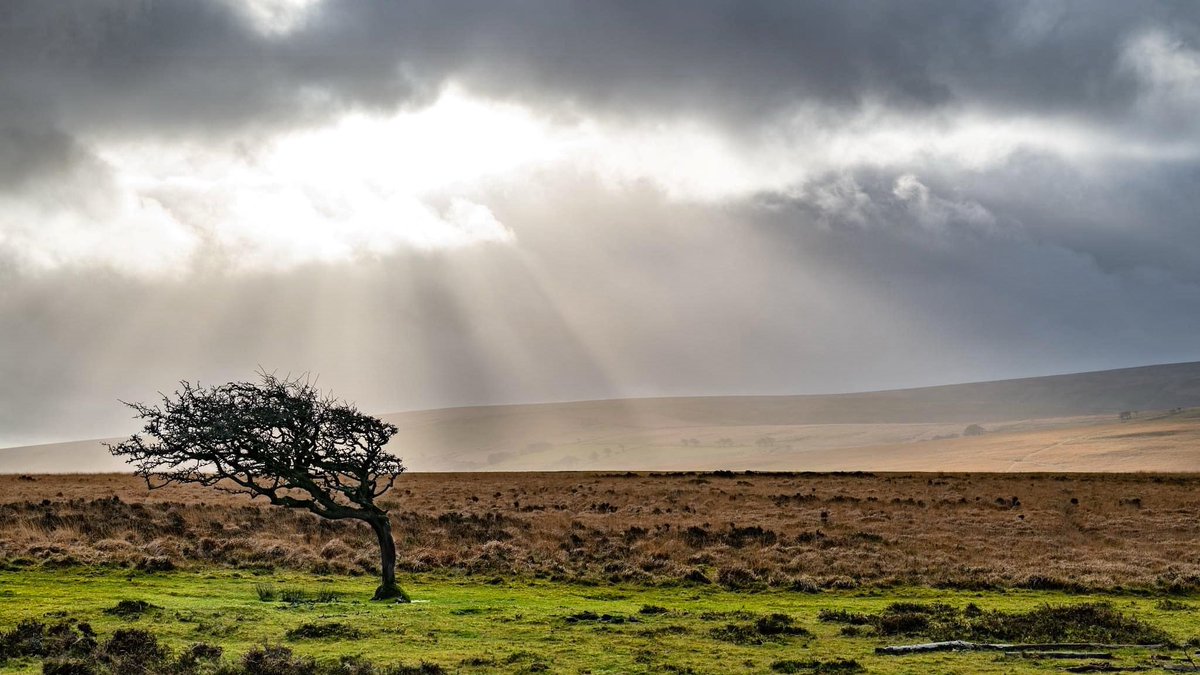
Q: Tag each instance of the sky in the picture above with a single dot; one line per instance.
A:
(442, 203)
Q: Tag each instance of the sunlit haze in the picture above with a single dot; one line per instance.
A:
(450, 203)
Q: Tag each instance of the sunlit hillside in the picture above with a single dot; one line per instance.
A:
(1064, 422)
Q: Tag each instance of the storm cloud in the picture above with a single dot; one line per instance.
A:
(447, 203)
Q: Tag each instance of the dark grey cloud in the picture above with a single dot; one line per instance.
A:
(166, 67)
(162, 65)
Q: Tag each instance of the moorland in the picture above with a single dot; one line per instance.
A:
(611, 572)
(1058, 510)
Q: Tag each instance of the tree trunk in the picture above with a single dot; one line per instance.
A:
(388, 589)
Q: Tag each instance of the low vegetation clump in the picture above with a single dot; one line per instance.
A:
(592, 617)
(1170, 605)
(651, 610)
(279, 660)
(31, 638)
(73, 649)
(834, 667)
(130, 609)
(1090, 622)
(322, 631)
(766, 628)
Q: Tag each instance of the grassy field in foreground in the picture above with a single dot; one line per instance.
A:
(474, 626)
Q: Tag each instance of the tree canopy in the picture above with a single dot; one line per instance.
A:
(281, 439)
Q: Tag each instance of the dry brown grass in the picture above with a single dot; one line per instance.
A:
(1160, 442)
(742, 530)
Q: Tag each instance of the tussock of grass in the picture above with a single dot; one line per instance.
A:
(650, 610)
(130, 609)
(323, 631)
(266, 592)
(770, 627)
(836, 666)
(294, 595)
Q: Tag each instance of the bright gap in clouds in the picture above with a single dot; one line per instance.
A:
(275, 18)
(368, 185)
(365, 185)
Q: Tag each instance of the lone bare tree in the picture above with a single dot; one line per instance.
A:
(281, 439)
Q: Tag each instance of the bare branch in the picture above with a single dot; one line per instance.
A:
(280, 439)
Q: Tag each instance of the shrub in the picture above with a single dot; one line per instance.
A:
(199, 653)
(130, 609)
(68, 666)
(1092, 622)
(804, 585)
(28, 638)
(156, 563)
(276, 660)
(738, 578)
(129, 647)
(771, 627)
(779, 624)
(33, 638)
(843, 616)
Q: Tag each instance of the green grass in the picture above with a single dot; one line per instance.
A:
(469, 625)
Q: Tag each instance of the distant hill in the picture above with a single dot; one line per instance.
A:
(71, 457)
(811, 431)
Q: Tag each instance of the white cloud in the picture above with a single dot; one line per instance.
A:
(371, 184)
(64, 222)
(365, 186)
(1169, 73)
(274, 18)
(937, 213)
